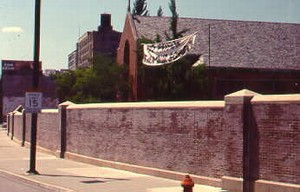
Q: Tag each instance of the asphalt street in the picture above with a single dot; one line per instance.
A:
(14, 183)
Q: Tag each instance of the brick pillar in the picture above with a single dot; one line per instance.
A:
(62, 112)
(238, 123)
(8, 123)
(12, 117)
(23, 128)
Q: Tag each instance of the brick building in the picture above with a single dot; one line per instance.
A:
(261, 56)
(17, 79)
(72, 60)
(103, 41)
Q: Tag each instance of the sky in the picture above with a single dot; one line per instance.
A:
(64, 21)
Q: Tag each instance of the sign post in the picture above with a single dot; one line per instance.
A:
(33, 98)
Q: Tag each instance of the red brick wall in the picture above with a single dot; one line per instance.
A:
(48, 135)
(226, 81)
(278, 125)
(181, 139)
(17, 125)
(233, 136)
(128, 36)
(205, 138)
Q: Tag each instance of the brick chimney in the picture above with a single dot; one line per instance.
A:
(105, 22)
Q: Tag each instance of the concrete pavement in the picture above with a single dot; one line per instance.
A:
(65, 175)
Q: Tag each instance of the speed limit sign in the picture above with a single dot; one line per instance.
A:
(33, 102)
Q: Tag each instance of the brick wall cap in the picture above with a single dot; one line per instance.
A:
(20, 108)
(239, 96)
(17, 113)
(49, 111)
(66, 103)
(242, 93)
(179, 104)
(290, 98)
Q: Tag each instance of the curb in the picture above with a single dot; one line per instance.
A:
(33, 182)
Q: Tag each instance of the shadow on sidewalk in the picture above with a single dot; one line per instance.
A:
(93, 179)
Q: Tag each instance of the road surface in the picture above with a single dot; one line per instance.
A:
(14, 184)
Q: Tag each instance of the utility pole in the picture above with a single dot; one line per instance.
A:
(35, 85)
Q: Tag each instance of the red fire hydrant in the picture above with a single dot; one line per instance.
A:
(187, 184)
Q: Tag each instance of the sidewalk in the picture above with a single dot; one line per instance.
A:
(65, 175)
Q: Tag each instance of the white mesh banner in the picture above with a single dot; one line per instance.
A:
(167, 52)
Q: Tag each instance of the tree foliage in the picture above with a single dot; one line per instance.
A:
(160, 12)
(64, 85)
(140, 8)
(100, 83)
(174, 22)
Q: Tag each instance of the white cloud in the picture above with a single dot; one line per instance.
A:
(12, 30)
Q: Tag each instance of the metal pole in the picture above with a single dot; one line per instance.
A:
(35, 85)
(210, 89)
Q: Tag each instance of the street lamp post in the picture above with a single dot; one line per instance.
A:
(35, 85)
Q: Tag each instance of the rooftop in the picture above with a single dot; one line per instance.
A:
(238, 44)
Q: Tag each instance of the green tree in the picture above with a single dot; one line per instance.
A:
(84, 87)
(99, 83)
(110, 78)
(199, 83)
(160, 12)
(174, 23)
(64, 85)
(140, 8)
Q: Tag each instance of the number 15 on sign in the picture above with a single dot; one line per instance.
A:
(33, 102)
